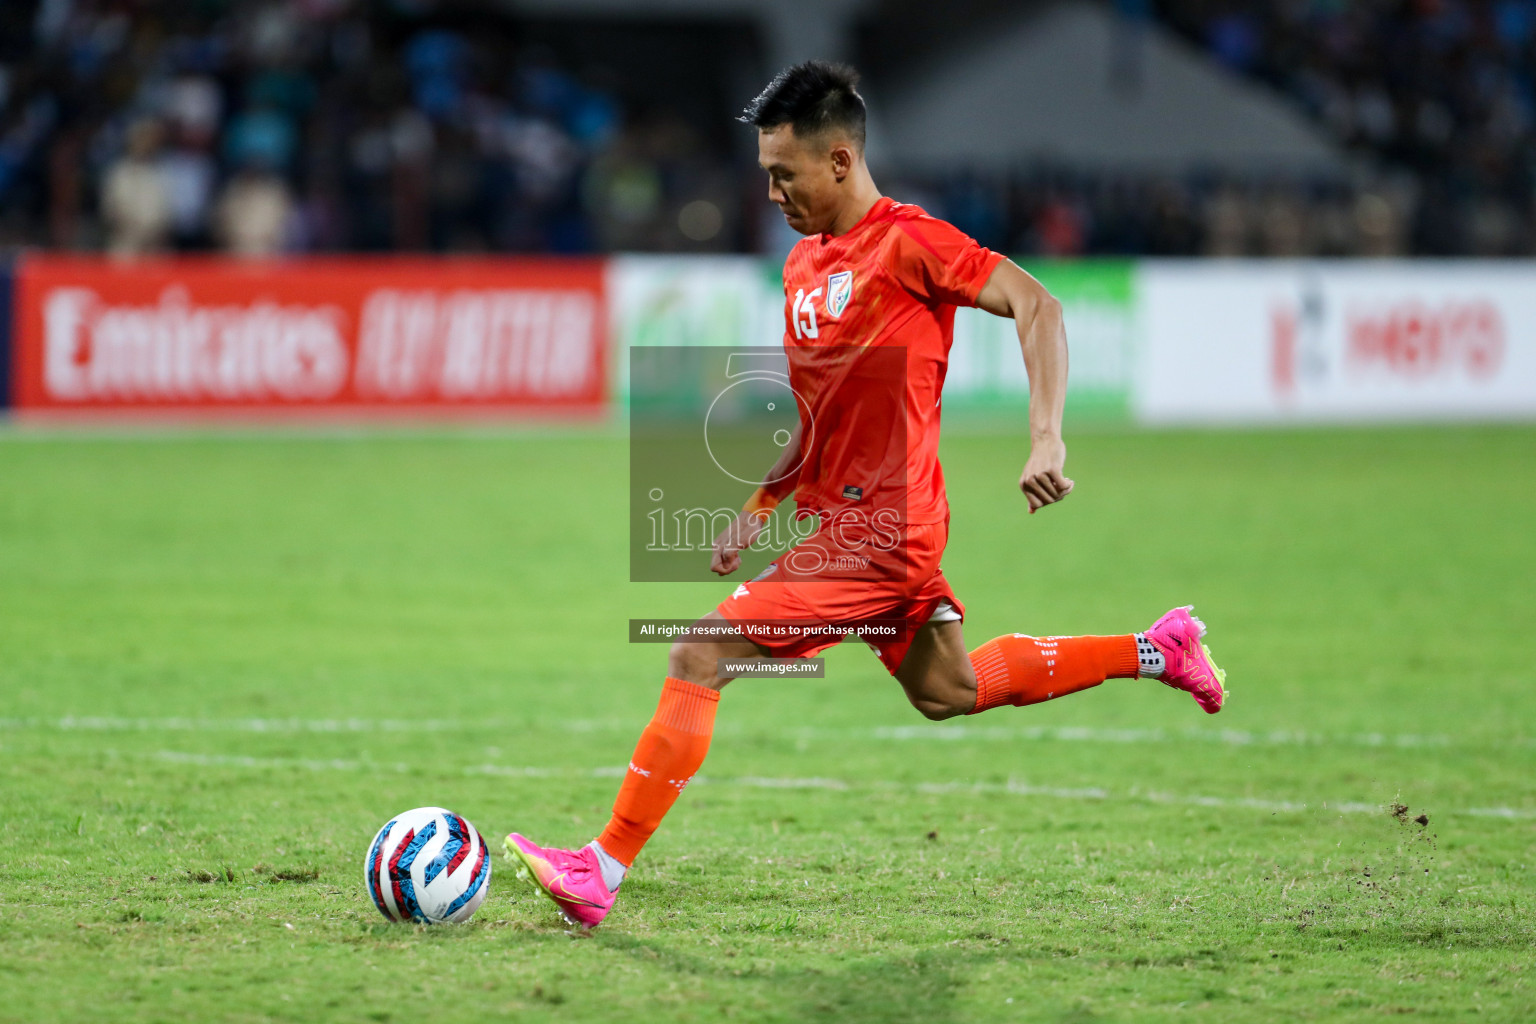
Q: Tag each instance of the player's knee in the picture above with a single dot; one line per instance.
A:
(935, 710)
(695, 663)
(939, 710)
(948, 698)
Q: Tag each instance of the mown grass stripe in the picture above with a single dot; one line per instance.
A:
(900, 733)
(1012, 787)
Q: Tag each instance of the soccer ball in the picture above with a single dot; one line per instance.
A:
(427, 865)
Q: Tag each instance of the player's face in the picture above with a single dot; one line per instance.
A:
(802, 178)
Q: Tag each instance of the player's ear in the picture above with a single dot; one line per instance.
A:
(842, 160)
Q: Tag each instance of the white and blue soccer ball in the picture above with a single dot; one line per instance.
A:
(428, 865)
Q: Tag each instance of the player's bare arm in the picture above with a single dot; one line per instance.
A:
(746, 526)
(1012, 293)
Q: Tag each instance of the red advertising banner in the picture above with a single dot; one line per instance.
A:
(314, 336)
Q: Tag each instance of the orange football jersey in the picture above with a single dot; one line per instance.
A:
(869, 318)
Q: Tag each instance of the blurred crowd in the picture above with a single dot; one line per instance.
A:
(1444, 91)
(265, 126)
(1435, 100)
(256, 127)
(1066, 212)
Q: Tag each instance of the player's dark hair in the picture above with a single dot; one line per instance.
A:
(814, 98)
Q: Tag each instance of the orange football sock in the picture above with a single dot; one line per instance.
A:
(670, 750)
(1017, 669)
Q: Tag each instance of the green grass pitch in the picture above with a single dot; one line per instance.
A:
(226, 660)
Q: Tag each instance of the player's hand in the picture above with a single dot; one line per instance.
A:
(1042, 481)
(740, 534)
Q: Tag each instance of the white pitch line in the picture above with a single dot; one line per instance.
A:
(1092, 734)
(760, 782)
(1012, 787)
(891, 734)
(243, 761)
(105, 723)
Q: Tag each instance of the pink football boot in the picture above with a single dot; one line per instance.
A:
(1189, 666)
(572, 878)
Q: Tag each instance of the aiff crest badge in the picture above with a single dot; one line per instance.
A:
(839, 291)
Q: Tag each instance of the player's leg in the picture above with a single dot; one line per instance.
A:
(937, 672)
(583, 882)
(673, 745)
(943, 680)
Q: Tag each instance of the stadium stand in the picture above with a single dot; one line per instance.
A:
(1444, 90)
(262, 126)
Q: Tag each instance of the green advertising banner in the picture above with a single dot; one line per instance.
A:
(986, 368)
(739, 301)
